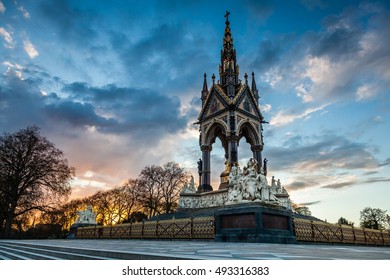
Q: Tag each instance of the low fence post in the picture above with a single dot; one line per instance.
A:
(192, 227)
(173, 227)
(156, 231)
(143, 229)
(365, 235)
(353, 234)
(383, 238)
(312, 230)
(342, 233)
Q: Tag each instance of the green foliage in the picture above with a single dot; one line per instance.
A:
(344, 221)
(373, 218)
(303, 210)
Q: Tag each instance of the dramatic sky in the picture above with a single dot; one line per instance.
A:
(116, 86)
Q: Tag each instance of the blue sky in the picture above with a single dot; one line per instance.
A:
(116, 86)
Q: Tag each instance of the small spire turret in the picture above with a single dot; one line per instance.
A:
(254, 87)
(205, 91)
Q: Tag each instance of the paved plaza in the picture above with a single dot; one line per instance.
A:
(205, 250)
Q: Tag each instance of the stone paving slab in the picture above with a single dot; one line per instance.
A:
(220, 250)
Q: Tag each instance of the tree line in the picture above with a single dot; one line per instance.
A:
(35, 183)
(154, 192)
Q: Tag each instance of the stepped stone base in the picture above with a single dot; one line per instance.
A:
(254, 223)
(245, 222)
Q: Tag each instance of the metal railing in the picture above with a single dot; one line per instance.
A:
(305, 230)
(316, 231)
(189, 228)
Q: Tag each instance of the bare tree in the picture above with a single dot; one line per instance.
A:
(150, 189)
(174, 178)
(34, 175)
(159, 187)
(130, 193)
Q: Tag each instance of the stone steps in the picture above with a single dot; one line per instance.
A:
(20, 250)
(19, 253)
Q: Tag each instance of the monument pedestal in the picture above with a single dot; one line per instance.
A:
(254, 222)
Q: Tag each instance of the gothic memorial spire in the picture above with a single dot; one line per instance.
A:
(230, 111)
(228, 69)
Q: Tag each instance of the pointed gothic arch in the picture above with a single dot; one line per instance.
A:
(247, 130)
(251, 135)
(217, 130)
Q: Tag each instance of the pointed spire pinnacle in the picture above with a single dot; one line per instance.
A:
(204, 83)
(227, 39)
(205, 91)
(228, 69)
(253, 82)
(254, 87)
(213, 78)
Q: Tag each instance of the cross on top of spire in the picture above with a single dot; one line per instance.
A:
(227, 15)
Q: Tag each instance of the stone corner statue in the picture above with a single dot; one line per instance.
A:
(86, 216)
(200, 166)
(189, 188)
(265, 166)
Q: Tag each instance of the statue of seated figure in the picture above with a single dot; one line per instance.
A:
(86, 216)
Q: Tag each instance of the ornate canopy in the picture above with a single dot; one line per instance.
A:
(230, 111)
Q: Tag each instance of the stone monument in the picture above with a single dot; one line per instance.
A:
(245, 206)
(86, 218)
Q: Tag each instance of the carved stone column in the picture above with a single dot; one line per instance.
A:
(232, 142)
(233, 151)
(206, 172)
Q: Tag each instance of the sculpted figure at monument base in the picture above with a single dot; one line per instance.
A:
(250, 185)
(86, 216)
(244, 186)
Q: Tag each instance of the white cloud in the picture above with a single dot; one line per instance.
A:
(366, 92)
(2, 7)
(318, 69)
(25, 13)
(266, 108)
(303, 93)
(284, 118)
(30, 49)
(12, 65)
(13, 69)
(272, 77)
(9, 41)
